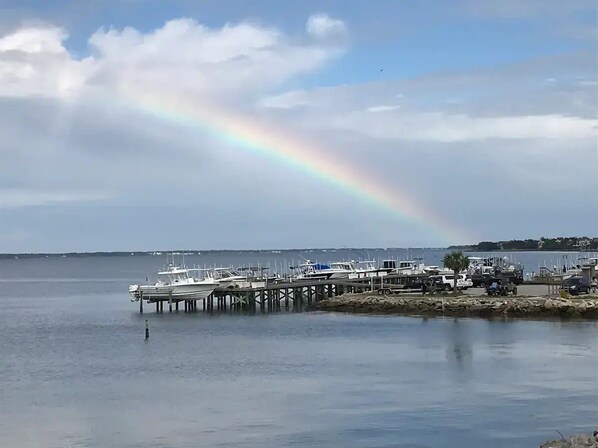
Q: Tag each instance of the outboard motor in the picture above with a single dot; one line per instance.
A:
(133, 292)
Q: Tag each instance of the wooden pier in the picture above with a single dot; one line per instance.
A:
(276, 297)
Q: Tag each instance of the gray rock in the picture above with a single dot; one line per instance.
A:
(576, 441)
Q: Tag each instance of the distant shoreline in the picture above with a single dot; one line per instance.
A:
(7, 256)
(570, 243)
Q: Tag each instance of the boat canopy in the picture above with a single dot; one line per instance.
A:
(320, 266)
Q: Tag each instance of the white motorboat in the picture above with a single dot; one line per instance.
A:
(340, 269)
(229, 278)
(175, 283)
(367, 268)
(411, 267)
(258, 276)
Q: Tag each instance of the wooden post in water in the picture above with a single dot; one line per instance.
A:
(170, 302)
(141, 302)
(252, 302)
(286, 299)
(296, 298)
(176, 304)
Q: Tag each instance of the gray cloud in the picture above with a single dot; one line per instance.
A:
(90, 170)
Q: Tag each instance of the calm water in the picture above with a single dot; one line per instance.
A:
(75, 371)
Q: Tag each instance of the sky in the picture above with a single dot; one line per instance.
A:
(154, 125)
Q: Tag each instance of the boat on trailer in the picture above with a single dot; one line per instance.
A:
(174, 283)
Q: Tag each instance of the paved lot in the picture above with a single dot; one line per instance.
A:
(522, 290)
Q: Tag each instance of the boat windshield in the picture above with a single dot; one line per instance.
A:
(368, 264)
(174, 276)
(224, 273)
(341, 265)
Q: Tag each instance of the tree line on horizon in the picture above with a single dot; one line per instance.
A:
(548, 244)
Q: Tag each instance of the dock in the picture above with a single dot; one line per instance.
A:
(298, 295)
(294, 295)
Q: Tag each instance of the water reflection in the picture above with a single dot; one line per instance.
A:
(459, 350)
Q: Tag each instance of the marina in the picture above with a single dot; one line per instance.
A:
(277, 296)
(254, 290)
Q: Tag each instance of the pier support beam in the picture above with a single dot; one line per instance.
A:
(297, 298)
(252, 302)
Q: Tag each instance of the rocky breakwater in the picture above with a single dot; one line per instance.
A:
(462, 305)
(576, 441)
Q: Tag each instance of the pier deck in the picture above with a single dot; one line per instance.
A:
(279, 296)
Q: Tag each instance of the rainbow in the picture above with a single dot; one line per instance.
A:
(254, 136)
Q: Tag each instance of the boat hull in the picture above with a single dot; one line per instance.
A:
(194, 291)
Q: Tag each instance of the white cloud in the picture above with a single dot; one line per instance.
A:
(322, 26)
(34, 40)
(17, 197)
(383, 108)
(182, 55)
(33, 61)
(188, 56)
(505, 103)
(442, 127)
(287, 100)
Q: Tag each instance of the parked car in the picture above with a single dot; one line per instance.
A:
(577, 285)
(414, 283)
(447, 282)
(465, 281)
